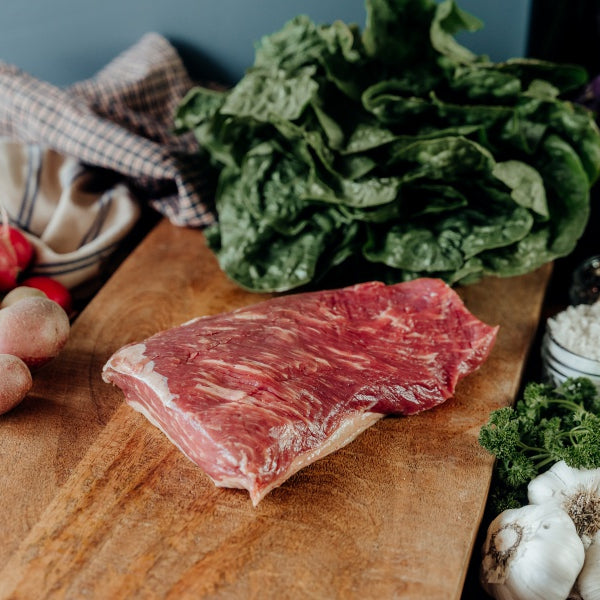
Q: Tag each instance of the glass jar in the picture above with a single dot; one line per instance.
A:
(585, 283)
(560, 363)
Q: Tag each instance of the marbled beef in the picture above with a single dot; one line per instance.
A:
(256, 394)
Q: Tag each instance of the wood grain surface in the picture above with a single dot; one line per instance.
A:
(98, 504)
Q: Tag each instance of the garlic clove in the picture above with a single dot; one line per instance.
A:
(588, 582)
(557, 482)
(531, 553)
(576, 491)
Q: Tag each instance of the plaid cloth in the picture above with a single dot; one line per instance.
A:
(100, 143)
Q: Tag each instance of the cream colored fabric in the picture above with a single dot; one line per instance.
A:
(72, 214)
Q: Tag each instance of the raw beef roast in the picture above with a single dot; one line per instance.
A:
(255, 394)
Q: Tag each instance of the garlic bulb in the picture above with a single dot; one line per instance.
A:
(531, 553)
(576, 491)
(588, 582)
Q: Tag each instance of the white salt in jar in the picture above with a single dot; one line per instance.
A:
(571, 344)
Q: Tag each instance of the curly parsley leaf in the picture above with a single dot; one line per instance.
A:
(548, 424)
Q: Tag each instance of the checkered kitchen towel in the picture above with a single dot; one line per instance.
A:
(76, 162)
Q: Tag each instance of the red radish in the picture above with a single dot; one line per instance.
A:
(53, 289)
(9, 269)
(16, 253)
(23, 248)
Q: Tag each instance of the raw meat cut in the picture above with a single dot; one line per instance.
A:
(255, 394)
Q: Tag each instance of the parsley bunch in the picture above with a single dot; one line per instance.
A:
(548, 424)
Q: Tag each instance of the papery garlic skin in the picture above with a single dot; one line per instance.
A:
(575, 491)
(531, 553)
(588, 582)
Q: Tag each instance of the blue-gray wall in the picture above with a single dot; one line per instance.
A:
(63, 41)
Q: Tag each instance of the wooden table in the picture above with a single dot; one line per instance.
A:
(98, 504)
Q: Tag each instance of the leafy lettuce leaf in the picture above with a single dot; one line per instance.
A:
(392, 152)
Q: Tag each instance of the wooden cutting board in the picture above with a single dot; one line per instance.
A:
(98, 504)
